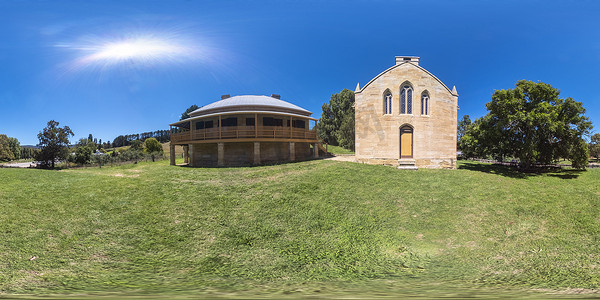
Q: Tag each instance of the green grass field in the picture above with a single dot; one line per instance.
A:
(310, 229)
(338, 150)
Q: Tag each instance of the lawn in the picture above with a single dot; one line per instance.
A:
(310, 229)
(338, 150)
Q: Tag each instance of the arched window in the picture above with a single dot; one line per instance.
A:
(387, 103)
(406, 100)
(425, 104)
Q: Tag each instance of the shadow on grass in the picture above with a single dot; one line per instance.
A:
(513, 172)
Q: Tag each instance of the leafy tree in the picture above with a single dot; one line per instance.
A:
(137, 145)
(90, 138)
(83, 151)
(532, 124)
(186, 115)
(6, 154)
(83, 154)
(595, 145)
(336, 125)
(153, 147)
(54, 141)
(462, 127)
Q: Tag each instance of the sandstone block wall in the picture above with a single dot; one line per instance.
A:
(378, 134)
(242, 153)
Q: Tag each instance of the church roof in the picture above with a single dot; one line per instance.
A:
(400, 62)
(250, 102)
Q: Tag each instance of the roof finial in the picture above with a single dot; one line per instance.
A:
(454, 92)
(357, 87)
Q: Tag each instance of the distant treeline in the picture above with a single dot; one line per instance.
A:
(162, 136)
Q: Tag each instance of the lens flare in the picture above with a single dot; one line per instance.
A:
(135, 51)
(139, 49)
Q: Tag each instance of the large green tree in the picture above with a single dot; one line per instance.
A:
(6, 153)
(54, 142)
(533, 124)
(336, 125)
(190, 109)
(463, 126)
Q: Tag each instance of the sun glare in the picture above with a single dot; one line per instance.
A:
(141, 48)
(135, 51)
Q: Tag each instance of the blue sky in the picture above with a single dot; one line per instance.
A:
(54, 62)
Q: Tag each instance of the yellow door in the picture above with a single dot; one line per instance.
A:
(406, 142)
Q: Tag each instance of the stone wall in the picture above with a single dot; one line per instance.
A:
(434, 135)
(242, 153)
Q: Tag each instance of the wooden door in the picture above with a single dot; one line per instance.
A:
(406, 142)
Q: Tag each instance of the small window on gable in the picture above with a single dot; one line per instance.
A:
(406, 100)
(387, 103)
(425, 104)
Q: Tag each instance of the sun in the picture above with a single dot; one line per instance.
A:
(137, 49)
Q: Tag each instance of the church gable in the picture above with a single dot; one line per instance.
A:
(401, 102)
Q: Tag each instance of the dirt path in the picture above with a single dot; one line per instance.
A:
(18, 165)
(350, 158)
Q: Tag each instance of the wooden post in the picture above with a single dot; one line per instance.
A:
(172, 154)
(255, 125)
(220, 154)
(191, 136)
(219, 126)
(192, 150)
(292, 151)
(186, 154)
(291, 127)
(256, 153)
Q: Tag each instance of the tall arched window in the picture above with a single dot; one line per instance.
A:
(387, 103)
(406, 100)
(425, 104)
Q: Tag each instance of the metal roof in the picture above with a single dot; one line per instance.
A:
(264, 102)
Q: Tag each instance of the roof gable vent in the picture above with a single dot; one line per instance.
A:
(276, 96)
(411, 59)
(223, 97)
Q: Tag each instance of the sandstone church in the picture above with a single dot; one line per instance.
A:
(406, 116)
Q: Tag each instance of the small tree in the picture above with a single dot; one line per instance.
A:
(336, 125)
(84, 151)
(54, 142)
(463, 126)
(153, 147)
(137, 145)
(186, 115)
(595, 145)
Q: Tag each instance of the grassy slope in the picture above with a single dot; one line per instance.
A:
(317, 225)
(338, 150)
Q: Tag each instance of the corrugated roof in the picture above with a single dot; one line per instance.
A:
(249, 100)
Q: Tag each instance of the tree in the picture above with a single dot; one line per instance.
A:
(54, 141)
(595, 145)
(6, 154)
(137, 145)
(532, 124)
(463, 126)
(186, 115)
(83, 151)
(336, 125)
(153, 147)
